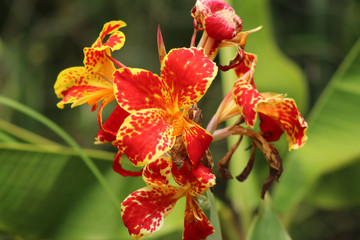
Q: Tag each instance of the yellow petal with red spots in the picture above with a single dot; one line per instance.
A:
(188, 73)
(145, 136)
(196, 141)
(98, 65)
(144, 210)
(137, 89)
(247, 97)
(196, 224)
(115, 41)
(285, 114)
(75, 86)
(158, 172)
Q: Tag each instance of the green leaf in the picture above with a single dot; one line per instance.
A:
(333, 134)
(55, 196)
(338, 189)
(267, 225)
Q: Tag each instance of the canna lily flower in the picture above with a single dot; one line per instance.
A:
(158, 199)
(155, 104)
(93, 82)
(277, 113)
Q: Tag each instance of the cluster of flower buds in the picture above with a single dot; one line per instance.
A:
(156, 121)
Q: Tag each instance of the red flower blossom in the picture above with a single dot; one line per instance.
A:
(158, 199)
(155, 104)
(277, 113)
(93, 82)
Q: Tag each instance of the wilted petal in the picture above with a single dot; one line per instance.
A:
(137, 89)
(285, 114)
(196, 224)
(145, 136)
(158, 172)
(196, 141)
(188, 73)
(247, 97)
(143, 211)
(245, 70)
(75, 86)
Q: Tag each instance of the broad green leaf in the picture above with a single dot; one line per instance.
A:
(338, 189)
(55, 196)
(333, 134)
(267, 225)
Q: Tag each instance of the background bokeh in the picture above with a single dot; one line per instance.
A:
(40, 38)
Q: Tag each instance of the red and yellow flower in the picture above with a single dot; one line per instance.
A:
(158, 199)
(277, 113)
(155, 105)
(93, 82)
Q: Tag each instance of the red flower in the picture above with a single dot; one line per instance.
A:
(277, 113)
(93, 82)
(158, 199)
(155, 104)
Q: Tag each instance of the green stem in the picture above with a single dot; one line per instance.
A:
(62, 150)
(214, 217)
(24, 134)
(67, 138)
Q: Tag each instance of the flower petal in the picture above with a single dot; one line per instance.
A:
(115, 41)
(223, 25)
(111, 126)
(188, 73)
(98, 65)
(75, 86)
(286, 115)
(246, 68)
(145, 136)
(196, 224)
(117, 167)
(247, 97)
(137, 89)
(201, 179)
(196, 141)
(143, 211)
(158, 172)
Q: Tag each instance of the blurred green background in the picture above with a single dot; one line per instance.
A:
(40, 38)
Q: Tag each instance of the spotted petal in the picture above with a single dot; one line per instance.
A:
(201, 179)
(196, 224)
(158, 172)
(285, 115)
(143, 211)
(137, 89)
(76, 86)
(196, 141)
(145, 136)
(116, 39)
(247, 98)
(188, 73)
